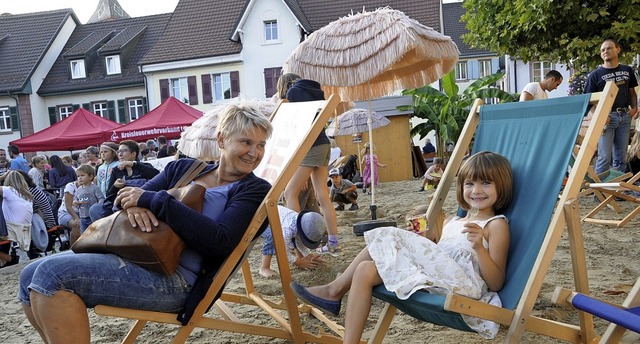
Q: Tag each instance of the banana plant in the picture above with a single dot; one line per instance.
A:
(446, 111)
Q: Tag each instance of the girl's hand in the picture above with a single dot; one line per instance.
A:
(142, 218)
(309, 262)
(474, 234)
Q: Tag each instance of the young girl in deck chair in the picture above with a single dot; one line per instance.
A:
(469, 259)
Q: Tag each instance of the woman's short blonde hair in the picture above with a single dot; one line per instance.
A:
(491, 167)
(240, 118)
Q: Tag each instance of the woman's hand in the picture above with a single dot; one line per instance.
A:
(128, 197)
(474, 234)
(142, 218)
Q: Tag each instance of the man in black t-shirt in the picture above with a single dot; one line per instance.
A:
(615, 138)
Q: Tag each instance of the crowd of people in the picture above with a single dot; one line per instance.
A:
(70, 190)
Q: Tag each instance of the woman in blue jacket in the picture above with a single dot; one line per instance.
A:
(55, 290)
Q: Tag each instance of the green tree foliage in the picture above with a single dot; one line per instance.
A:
(558, 30)
(447, 110)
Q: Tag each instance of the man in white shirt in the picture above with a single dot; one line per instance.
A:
(538, 90)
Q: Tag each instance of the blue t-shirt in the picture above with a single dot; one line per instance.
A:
(215, 200)
(623, 76)
(19, 163)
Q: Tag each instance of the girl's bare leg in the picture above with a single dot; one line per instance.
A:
(297, 182)
(319, 181)
(337, 288)
(359, 303)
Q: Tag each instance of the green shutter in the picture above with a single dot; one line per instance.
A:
(145, 107)
(53, 116)
(15, 124)
(76, 107)
(122, 112)
(87, 106)
(111, 109)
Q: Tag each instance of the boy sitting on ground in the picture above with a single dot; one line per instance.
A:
(343, 191)
(302, 232)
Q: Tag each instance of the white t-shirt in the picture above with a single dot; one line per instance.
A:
(535, 90)
(15, 208)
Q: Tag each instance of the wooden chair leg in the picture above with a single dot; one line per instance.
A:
(383, 324)
(134, 332)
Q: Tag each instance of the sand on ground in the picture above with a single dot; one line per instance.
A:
(611, 253)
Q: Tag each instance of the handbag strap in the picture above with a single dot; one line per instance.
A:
(196, 167)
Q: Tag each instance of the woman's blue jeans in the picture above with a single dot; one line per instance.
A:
(103, 279)
(614, 142)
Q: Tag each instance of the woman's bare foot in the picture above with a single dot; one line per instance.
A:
(266, 273)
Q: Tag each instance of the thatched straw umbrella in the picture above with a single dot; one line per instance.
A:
(200, 139)
(372, 54)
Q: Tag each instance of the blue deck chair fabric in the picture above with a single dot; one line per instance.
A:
(537, 137)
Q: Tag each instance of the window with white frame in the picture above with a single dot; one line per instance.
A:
(485, 67)
(539, 69)
(180, 89)
(64, 112)
(100, 109)
(270, 30)
(113, 64)
(77, 69)
(221, 86)
(5, 119)
(136, 108)
(461, 70)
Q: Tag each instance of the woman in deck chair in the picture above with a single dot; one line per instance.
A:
(56, 290)
(469, 259)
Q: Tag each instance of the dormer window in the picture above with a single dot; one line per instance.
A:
(77, 69)
(271, 30)
(113, 64)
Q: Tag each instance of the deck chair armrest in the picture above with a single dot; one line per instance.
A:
(564, 297)
(464, 305)
(604, 185)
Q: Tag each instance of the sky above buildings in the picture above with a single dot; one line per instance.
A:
(85, 8)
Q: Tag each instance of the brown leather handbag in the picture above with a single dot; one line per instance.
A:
(158, 250)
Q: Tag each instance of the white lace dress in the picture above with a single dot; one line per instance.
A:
(408, 262)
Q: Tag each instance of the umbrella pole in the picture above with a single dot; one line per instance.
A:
(373, 206)
(359, 160)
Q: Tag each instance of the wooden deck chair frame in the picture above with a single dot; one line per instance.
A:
(566, 213)
(612, 190)
(620, 316)
(593, 177)
(279, 170)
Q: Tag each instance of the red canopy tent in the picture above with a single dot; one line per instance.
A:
(168, 119)
(78, 131)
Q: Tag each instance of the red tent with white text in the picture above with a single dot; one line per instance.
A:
(168, 119)
(78, 131)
